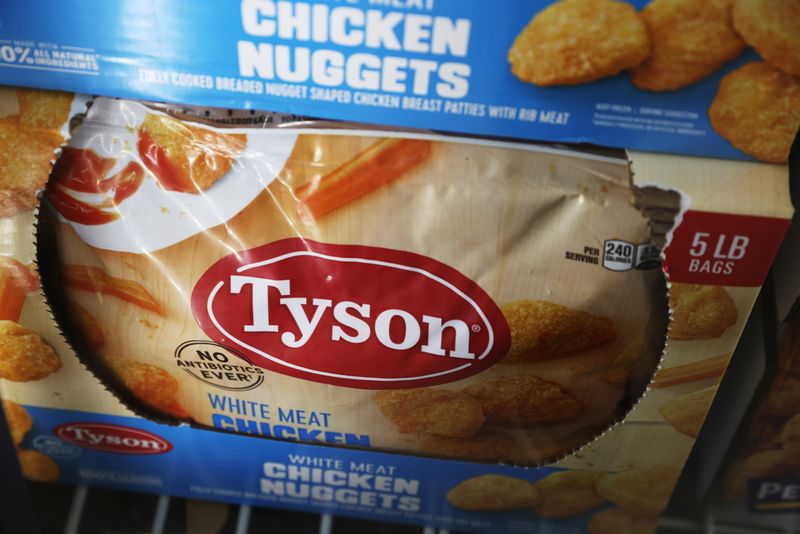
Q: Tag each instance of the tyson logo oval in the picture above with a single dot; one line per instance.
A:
(351, 315)
(113, 438)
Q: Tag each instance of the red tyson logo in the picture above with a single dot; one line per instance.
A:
(351, 315)
(113, 438)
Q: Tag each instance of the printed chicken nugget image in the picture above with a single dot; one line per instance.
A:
(542, 330)
(24, 356)
(790, 434)
(490, 493)
(687, 412)
(772, 28)
(784, 400)
(25, 156)
(37, 467)
(616, 521)
(485, 445)
(149, 383)
(18, 419)
(524, 400)
(44, 109)
(643, 491)
(568, 493)
(579, 41)
(432, 411)
(700, 312)
(88, 324)
(690, 39)
(185, 158)
(757, 110)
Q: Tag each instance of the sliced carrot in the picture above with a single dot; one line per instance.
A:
(690, 372)
(12, 296)
(89, 278)
(381, 163)
(16, 281)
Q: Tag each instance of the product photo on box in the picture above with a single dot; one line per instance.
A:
(327, 260)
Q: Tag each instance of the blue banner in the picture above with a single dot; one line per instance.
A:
(138, 455)
(439, 65)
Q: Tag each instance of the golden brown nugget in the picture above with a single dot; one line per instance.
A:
(485, 445)
(43, 109)
(542, 330)
(494, 493)
(524, 400)
(37, 467)
(687, 412)
(24, 356)
(757, 110)
(616, 521)
(690, 39)
(433, 411)
(150, 384)
(18, 419)
(772, 27)
(578, 41)
(784, 401)
(568, 493)
(25, 156)
(700, 312)
(186, 158)
(791, 431)
(643, 491)
(618, 373)
(90, 328)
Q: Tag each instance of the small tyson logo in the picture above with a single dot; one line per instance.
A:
(351, 315)
(113, 438)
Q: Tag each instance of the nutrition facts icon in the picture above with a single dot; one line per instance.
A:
(618, 255)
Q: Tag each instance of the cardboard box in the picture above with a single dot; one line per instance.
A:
(760, 479)
(591, 71)
(730, 218)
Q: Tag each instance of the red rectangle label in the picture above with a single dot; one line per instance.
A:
(723, 249)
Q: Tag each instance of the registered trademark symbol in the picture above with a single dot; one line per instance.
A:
(476, 328)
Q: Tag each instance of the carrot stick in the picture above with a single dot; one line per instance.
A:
(16, 281)
(381, 163)
(89, 278)
(690, 372)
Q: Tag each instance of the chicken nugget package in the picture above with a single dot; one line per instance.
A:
(391, 325)
(405, 292)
